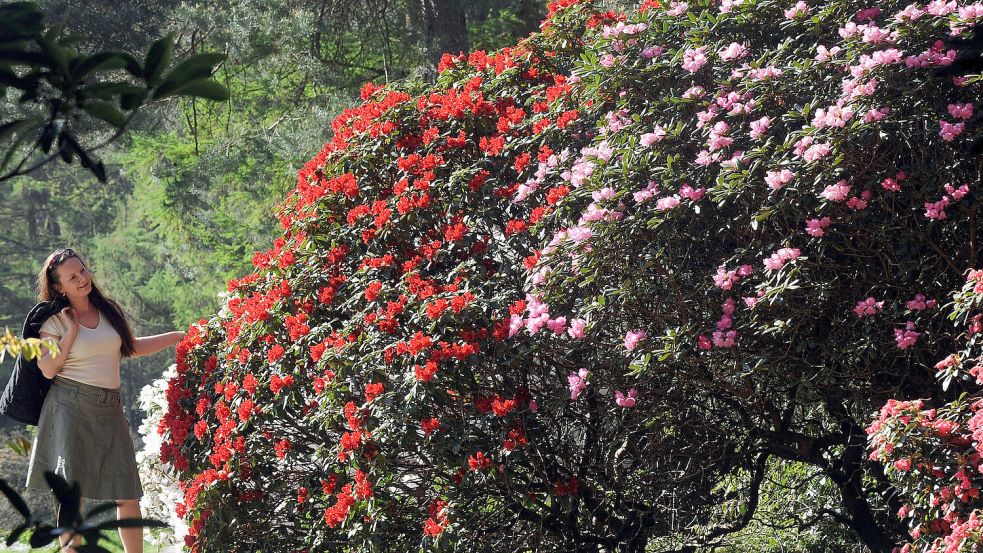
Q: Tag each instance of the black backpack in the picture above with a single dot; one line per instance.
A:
(24, 395)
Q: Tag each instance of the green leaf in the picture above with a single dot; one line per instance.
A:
(110, 90)
(131, 64)
(105, 111)
(130, 523)
(157, 59)
(42, 536)
(57, 57)
(15, 499)
(20, 19)
(132, 100)
(8, 78)
(68, 496)
(203, 88)
(14, 127)
(51, 131)
(196, 67)
(101, 61)
(15, 534)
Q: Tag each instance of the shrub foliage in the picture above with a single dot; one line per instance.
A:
(580, 293)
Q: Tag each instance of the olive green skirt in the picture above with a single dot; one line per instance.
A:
(84, 437)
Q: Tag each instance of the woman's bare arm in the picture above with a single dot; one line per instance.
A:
(49, 364)
(146, 345)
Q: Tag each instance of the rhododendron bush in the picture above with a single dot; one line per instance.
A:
(934, 454)
(582, 293)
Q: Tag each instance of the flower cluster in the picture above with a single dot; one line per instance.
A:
(541, 255)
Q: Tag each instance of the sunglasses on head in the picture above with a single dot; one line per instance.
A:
(61, 257)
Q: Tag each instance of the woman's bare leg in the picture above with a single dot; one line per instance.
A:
(132, 538)
(63, 539)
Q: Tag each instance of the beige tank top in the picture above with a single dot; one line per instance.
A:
(94, 357)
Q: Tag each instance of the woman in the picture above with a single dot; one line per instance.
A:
(82, 433)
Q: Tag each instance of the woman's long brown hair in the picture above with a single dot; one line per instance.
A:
(109, 308)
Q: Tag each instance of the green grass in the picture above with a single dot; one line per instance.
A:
(113, 544)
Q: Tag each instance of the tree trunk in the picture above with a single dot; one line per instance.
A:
(849, 479)
(441, 26)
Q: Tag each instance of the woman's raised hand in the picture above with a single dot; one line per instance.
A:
(70, 318)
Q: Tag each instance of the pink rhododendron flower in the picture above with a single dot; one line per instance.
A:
(516, 322)
(941, 7)
(693, 194)
(867, 14)
(800, 9)
(763, 73)
(725, 339)
(695, 92)
(911, 12)
(665, 204)
(652, 52)
(950, 362)
(816, 227)
(872, 34)
(751, 301)
(725, 279)
(936, 210)
(602, 194)
(608, 60)
(778, 179)
(891, 184)
(857, 88)
(734, 161)
(934, 56)
(628, 400)
(577, 328)
(718, 136)
(961, 111)
(859, 203)
(817, 151)
(823, 54)
(633, 337)
(907, 337)
(557, 325)
(949, 131)
(577, 382)
(778, 259)
(647, 193)
(703, 342)
(677, 8)
(653, 137)
(694, 59)
(620, 28)
(836, 192)
(919, 303)
(956, 193)
(835, 116)
(760, 127)
(873, 115)
(868, 306)
(579, 233)
(726, 6)
(733, 51)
